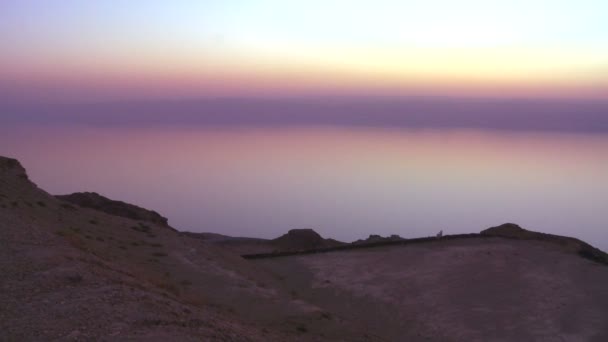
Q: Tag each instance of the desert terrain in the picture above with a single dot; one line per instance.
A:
(83, 267)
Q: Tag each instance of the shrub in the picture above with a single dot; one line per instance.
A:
(76, 241)
(74, 278)
(166, 285)
(68, 206)
(141, 229)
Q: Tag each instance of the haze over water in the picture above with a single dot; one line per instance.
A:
(252, 117)
(346, 182)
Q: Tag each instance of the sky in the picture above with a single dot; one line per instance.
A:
(71, 51)
(336, 115)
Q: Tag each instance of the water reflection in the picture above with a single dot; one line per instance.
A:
(346, 183)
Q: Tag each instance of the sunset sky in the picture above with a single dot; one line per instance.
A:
(251, 117)
(68, 50)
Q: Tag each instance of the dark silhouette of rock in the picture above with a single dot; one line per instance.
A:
(13, 168)
(118, 208)
(513, 231)
(507, 230)
(374, 238)
(297, 239)
(303, 239)
(10, 163)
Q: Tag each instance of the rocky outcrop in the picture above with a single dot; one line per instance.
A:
(15, 175)
(12, 168)
(70, 273)
(510, 230)
(373, 238)
(513, 231)
(118, 208)
(303, 239)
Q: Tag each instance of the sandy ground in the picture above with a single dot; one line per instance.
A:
(463, 290)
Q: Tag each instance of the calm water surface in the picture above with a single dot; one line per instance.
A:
(346, 183)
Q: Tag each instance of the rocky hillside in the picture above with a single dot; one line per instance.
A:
(95, 201)
(85, 272)
(303, 239)
(513, 231)
(374, 238)
(76, 273)
(295, 240)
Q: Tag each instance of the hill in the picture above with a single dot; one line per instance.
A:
(95, 201)
(72, 270)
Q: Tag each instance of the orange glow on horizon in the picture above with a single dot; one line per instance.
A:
(442, 72)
